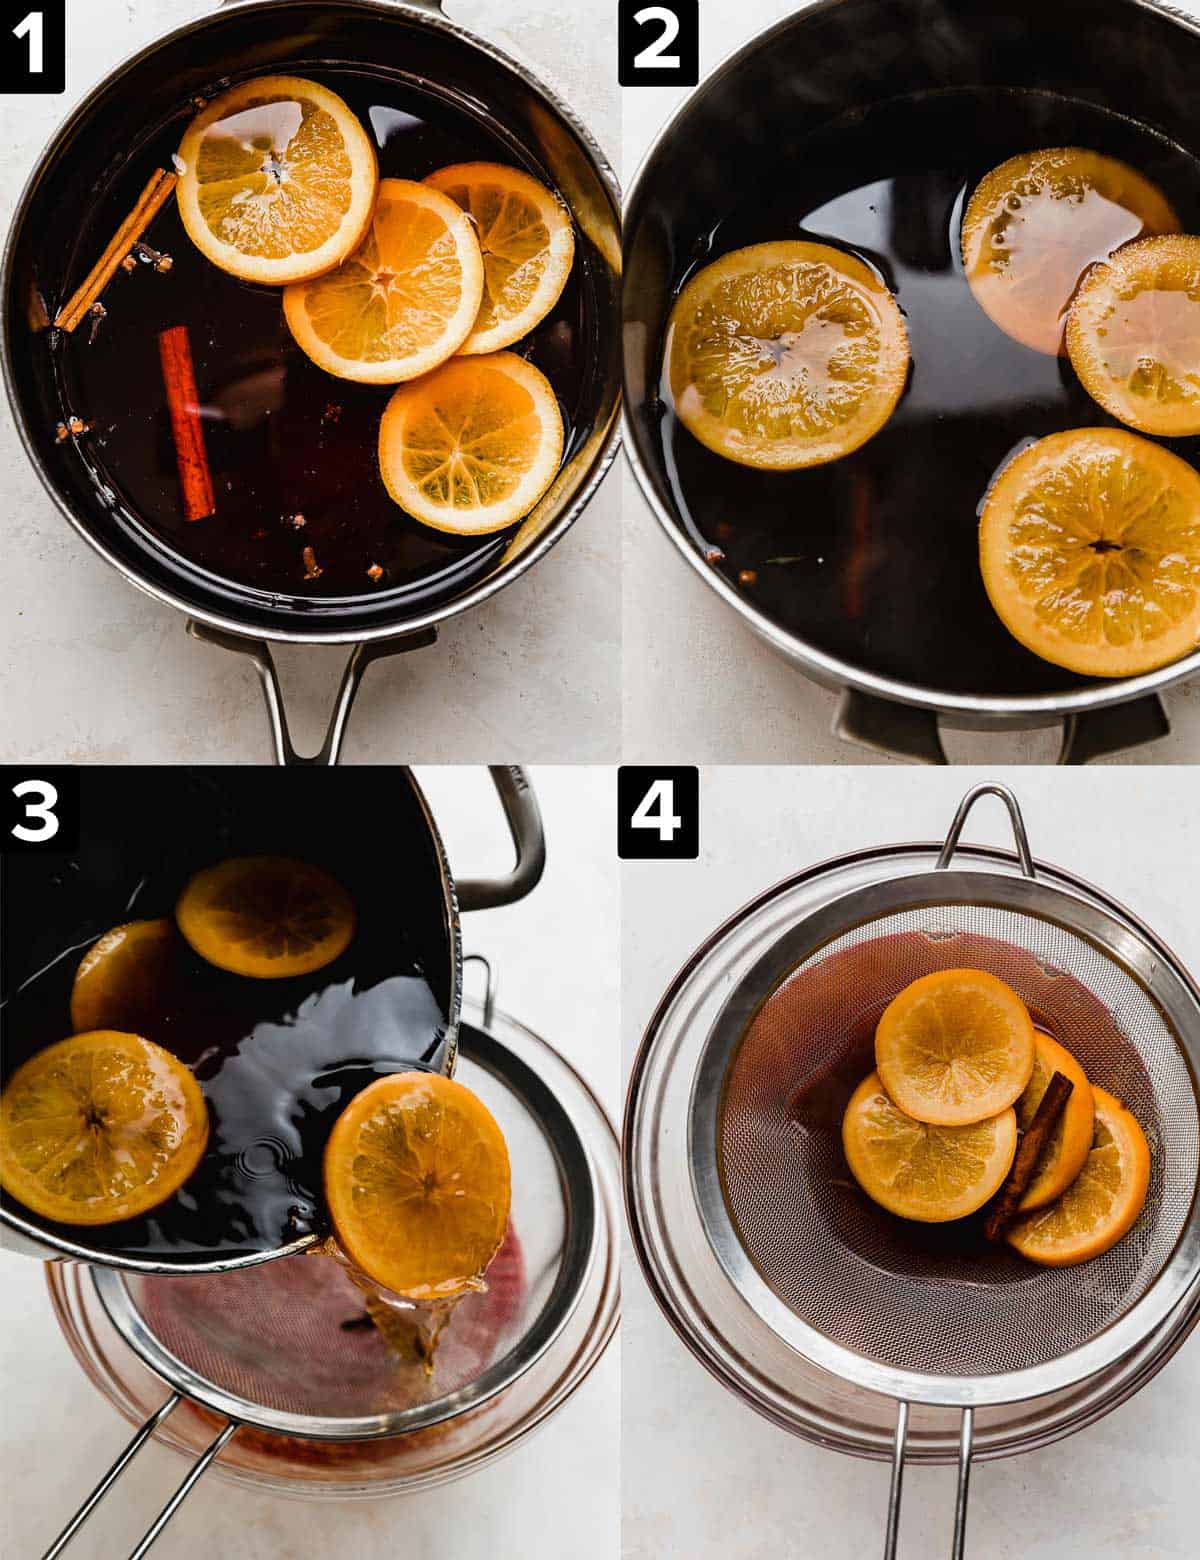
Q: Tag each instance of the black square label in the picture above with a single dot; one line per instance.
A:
(40, 808)
(658, 813)
(658, 43)
(33, 46)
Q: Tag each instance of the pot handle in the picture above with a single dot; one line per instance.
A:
(525, 825)
(966, 1441)
(130, 1451)
(903, 731)
(264, 664)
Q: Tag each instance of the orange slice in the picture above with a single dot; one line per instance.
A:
(1133, 334)
(955, 1047)
(923, 1172)
(101, 1127)
(1090, 549)
(266, 916)
(277, 180)
(1103, 1202)
(473, 446)
(1036, 223)
(1071, 1141)
(786, 355)
(119, 975)
(527, 242)
(404, 302)
(418, 1185)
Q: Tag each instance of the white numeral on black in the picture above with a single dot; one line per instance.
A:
(43, 820)
(32, 27)
(660, 796)
(652, 55)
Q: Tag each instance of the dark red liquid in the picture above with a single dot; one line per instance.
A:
(874, 558)
(283, 438)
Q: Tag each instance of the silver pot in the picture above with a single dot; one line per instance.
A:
(1138, 58)
(433, 887)
(240, 37)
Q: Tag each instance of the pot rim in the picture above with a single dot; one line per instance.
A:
(831, 670)
(426, 13)
(58, 1247)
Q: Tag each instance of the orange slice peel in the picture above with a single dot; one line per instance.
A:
(98, 1128)
(527, 243)
(277, 180)
(418, 1186)
(404, 301)
(955, 1047)
(472, 447)
(1089, 544)
(923, 1172)
(267, 917)
(1133, 335)
(1104, 1201)
(785, 355)
(1070, 1141)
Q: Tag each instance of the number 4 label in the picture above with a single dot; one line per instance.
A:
(658, 43)
(34, 49)
(658, 813)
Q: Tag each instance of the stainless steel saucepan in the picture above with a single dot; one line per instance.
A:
(1136, 60)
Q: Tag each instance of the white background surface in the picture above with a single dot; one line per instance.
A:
(557, 1493)
(699, 686)
(704, 1477)
(532, 674)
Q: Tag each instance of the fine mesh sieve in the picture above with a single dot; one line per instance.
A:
(933, 1315)
(283, 1357)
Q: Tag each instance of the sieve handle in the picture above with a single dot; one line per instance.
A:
(185, 1488)
(139, 1440)
(1020, 838)
(264, 664)
(966, 1446)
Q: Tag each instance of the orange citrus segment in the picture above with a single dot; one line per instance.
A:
(404, 302)
(1036, 223)
(527, 242)
(785, 355)
(277, 180)
(923, 1172)
(1103, 1202)
(418, 1185)
(98, 1128)
(1071, 1140)
(266, 916)
(955, 1047)
(473, 446)
(118, 976)
(1133, 334)
(1090, 551)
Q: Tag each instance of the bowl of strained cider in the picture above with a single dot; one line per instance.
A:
(915, 378)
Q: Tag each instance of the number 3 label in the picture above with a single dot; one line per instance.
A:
(43, 821)
(42, 809)
(658, 45)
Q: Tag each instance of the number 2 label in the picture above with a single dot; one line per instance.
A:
(658, 45)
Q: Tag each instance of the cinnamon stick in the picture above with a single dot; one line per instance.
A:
(183, 402)
(1029, 1154)
(151, 201)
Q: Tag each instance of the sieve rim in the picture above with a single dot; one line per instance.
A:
(581, 1196)
(1109, 928)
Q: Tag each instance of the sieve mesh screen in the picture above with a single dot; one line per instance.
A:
(937, 1299)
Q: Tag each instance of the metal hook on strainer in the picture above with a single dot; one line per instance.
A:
(795, 1289)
